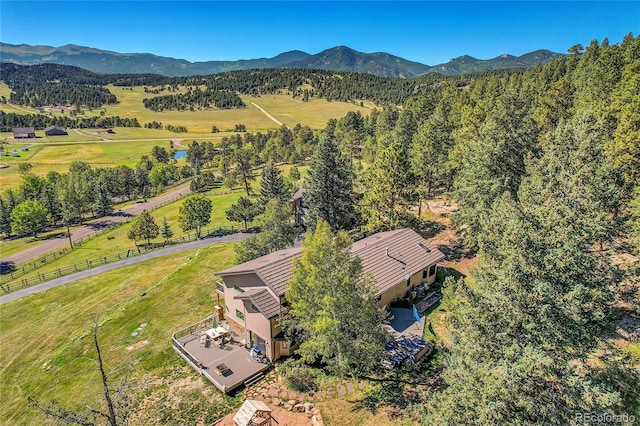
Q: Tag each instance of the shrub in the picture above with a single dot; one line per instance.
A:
(298, 376)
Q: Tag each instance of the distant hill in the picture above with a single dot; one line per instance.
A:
(468, 64)
(342, 58)
(339, 58)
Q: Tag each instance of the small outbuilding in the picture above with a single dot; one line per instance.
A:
(254, 413)
(24, 133)
(55, 131)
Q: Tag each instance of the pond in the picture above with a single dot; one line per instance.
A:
(179, 154)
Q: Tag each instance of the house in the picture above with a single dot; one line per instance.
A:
(55, 131)
(254, 291)
(24, 133)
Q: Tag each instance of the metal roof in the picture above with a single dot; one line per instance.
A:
(388, 256)
(262, 299)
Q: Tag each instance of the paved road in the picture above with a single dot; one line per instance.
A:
(47, 246)
(16, 295)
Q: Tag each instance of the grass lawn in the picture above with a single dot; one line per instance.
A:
(47, 347)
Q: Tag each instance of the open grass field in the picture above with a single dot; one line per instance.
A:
(97, 148)
(47, 343)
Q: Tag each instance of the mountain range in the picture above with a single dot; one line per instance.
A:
(340, 58)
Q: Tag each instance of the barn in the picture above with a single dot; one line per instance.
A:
(55, 131)
(24, 133)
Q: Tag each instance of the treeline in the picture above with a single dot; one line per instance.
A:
(42, 121)
(194, 99)
(40, 94)
(221, 88)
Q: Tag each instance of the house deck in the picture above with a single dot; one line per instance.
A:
(241, 367)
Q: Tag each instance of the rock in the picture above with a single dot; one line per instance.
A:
(292, 402)
(288, 406)
(308, 406)
(277, 402)
(298, 408)
(317, 420)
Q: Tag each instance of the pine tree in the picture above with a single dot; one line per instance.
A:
(276, 232)
(243, 211)
(5, 217)
(272, 185)
(328, 187)
(166, 231)
(390, 191)
(522, 334)
(103, 202)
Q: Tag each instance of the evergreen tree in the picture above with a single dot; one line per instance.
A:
(522, 334)
(390, 191)
(272, 185)
(243, 157)
(333, 307)
(103, 202)
(492, 156)
(276, 232)
(5, 217)
(243, 211)
(328, 187)
(166, 231)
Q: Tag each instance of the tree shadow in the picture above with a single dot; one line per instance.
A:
(6, 267)
(399, 389)
(426, 228)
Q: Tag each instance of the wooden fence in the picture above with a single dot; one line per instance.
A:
(8, 287)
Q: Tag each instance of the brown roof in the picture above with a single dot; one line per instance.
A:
(262, 299)
(274, 269)
(388, 256)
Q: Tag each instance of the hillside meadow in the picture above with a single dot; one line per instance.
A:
(48, 350)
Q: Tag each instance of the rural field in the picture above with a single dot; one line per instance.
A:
(126, 145)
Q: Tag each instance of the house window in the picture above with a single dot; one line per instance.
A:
(239, 315)
(424, 274)
(432, 270)
(408, 282)
(238, 288)
(378, 298)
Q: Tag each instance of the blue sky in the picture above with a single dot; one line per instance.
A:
(427, 32)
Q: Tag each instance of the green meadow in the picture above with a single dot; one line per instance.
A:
(47, 349)
(126, 145)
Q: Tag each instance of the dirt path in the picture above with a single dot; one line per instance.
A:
(125, 213)
(271, 117)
